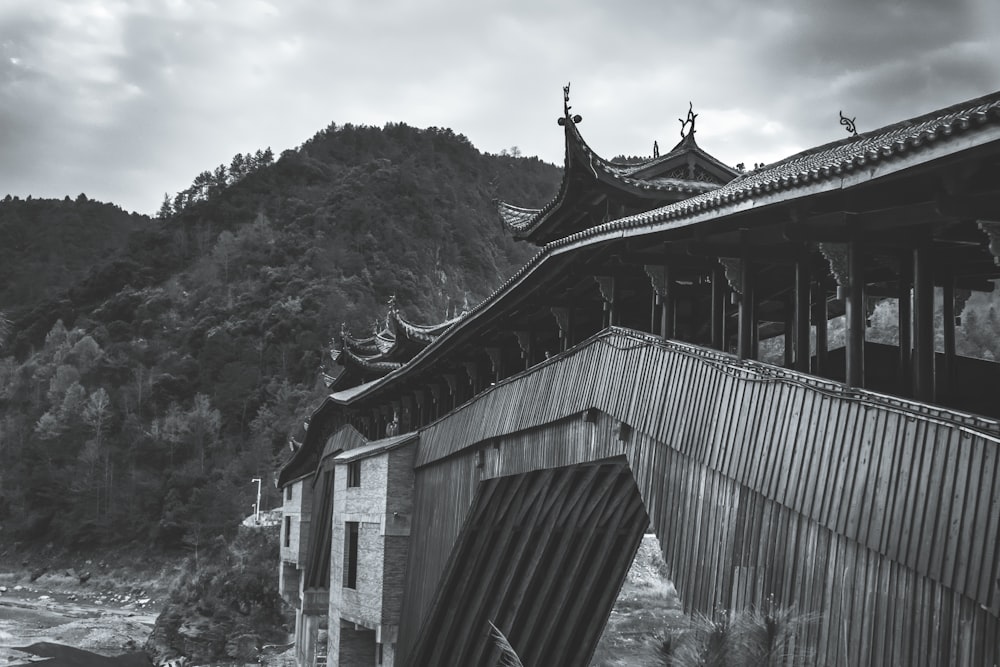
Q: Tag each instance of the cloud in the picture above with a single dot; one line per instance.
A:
(124, 100)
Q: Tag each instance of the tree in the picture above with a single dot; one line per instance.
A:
(237, 168)
(166, 209)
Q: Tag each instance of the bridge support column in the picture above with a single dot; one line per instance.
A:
(905, 312)
(855, 316)
(923, 325)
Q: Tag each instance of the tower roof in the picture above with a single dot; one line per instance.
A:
(590, 180)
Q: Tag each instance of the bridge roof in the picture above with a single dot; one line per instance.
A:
(685, 171)
(383, 352)
(948, 133)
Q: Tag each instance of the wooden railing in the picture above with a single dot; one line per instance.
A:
(879, 514)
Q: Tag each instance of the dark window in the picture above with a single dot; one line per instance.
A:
(351, 554)
(354, 473)
(288, 492)
(288, 531)
(380, 654)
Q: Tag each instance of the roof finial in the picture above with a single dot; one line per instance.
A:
(656, 149)
(392, 303)
(566, 118)
(686, 121)
(848, 123)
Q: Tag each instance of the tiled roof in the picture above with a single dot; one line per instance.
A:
(523, 221)
(828, 162)
(419, 332)
(375, 447)
(824, 163)
(375, 363)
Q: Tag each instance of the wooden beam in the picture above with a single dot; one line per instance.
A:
(980, 206)
(775, 254)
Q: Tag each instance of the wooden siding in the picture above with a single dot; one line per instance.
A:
(527, 560)
(881, 515)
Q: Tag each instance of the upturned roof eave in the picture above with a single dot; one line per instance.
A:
(583, 164)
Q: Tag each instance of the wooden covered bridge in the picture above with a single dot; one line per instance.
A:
(503, 468)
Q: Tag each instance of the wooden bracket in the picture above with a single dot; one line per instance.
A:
(607, 286)
(992, 231)
(495, 355)
(452, 381)
(658, 277)
(836, 257)
(561, 313)
(524, 342)
(734, 272)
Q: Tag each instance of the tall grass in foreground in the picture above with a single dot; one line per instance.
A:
(751, 638)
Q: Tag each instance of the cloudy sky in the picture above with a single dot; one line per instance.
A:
(127, 99)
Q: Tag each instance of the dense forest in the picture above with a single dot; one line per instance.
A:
(151, 367)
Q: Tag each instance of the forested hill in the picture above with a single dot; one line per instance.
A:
(154, 366)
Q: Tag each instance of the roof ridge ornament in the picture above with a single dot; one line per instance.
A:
(848, 124)
(566, 118)
(689, 120)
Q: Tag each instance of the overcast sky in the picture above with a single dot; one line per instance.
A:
(125, 100)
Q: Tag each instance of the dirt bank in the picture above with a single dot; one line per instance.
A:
(98, 607)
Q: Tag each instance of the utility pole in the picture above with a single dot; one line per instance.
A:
(256, 511)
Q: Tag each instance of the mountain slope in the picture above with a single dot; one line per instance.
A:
(142, 397)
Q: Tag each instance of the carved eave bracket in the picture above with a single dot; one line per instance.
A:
(419, 398)
(495, 356)
(561, 313)
(733, 267)
(658, 277)
(524, 342)
(436, 393)
(472, 370)
(607, 286)
(836, 257)
(452, 381)
(992, 230)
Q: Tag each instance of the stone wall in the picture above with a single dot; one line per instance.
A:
(295, 532)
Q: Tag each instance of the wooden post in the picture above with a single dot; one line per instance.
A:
(802, 288)
(789, 333)
(606, 284)
(855, 316)
(923, 325)
(946, 374)
(667, 304)
(718, 308)
(524, 342)
(745, 348)
(820, 320)
(654, 306)
(905, 313)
